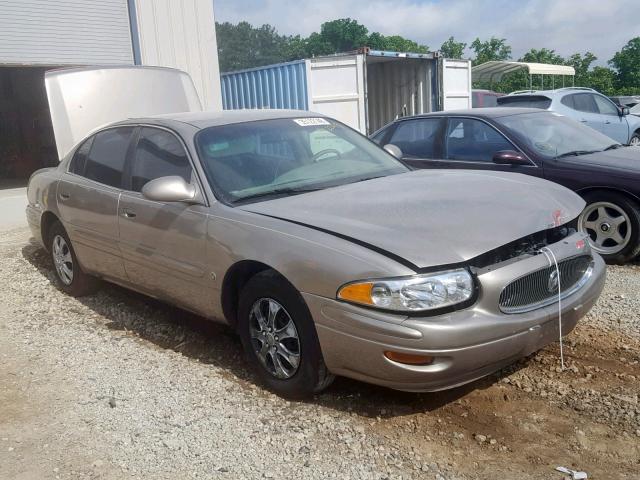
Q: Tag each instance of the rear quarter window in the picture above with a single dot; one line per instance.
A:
(525, 101)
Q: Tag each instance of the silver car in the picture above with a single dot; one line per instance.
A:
(324, 253)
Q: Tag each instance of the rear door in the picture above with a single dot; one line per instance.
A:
(88, 197)
(585, 109)
(163, 244)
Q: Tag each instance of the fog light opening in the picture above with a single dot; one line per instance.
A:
(409, 358)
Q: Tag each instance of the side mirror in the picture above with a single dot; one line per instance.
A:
(170, 189)
(510, 157)
(624, 111)
(393, 150)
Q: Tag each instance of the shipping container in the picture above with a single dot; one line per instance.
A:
(365, 89)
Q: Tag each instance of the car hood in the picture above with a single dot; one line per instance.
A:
(626, 160)
(431, 217)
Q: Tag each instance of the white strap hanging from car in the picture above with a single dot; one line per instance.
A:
(550, 256)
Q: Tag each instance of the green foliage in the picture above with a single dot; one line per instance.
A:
(626, 63)
(492, 49)
(244, 46)
(452, 49)
(542, 56)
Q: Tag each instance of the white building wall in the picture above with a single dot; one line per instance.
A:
(65, 32)
(181, 34)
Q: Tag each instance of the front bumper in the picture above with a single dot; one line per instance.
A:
(466, 345)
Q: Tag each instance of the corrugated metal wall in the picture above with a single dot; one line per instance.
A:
(275, 86)
(182, 34)
(65, 32)
(398, 88)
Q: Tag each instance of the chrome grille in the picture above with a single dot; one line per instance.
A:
(537, 289)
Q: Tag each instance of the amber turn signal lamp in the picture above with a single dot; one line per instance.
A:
(409, 358)
(357, 292)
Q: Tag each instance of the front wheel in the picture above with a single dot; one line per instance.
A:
(612, 222)
(279, 337)
(635, 140)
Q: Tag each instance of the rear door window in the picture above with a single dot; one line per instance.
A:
(79, 159)
(583, 102)
(158, 153)
(105, 162)
(524, 101)
(417, 138)
(468, 139)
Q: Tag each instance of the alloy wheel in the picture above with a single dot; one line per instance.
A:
(274, 338)
(608, 227)
(635, 142)
(62, 259)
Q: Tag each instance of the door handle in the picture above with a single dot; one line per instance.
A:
(583, 120)
(128, 213)
(65, 196)
(607, 122)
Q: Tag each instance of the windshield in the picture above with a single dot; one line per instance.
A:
(265, 159)
(553, 135)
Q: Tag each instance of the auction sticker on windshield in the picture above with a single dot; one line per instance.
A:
(311, 122)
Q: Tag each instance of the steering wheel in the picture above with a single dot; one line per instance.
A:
(317, 156)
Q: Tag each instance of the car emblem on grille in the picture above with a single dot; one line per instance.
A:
(552, 284)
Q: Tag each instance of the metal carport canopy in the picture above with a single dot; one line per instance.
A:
(493, 71)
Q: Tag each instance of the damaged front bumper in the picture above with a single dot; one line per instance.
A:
(466, 344)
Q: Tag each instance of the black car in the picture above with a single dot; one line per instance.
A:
(541, 143)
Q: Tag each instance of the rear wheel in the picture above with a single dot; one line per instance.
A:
(612, 222)
(70, 277)
(279, 337)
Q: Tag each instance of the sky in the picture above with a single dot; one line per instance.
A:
(567, 26)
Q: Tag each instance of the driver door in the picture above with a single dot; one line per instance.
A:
(163, 244)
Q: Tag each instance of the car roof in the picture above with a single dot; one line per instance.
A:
(223, 117)
(490, 112)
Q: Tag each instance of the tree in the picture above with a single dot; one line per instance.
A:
(603, 80)
(626, 63)
(492, 49)
(396, 43)
(542, 56)
(581, 64)
(452, 49)
(243, 46)
(343, 35)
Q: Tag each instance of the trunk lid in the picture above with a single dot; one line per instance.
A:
(84, 99)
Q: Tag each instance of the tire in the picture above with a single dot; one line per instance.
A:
(620, 215)
(634, 141)
(69, 275)
(265, 291)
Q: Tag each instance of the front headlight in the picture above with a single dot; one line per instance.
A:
(417, 293)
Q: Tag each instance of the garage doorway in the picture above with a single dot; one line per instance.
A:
(26, 136)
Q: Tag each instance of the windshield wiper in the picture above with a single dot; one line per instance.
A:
(613, 147)
(275, 193)
(577, 153)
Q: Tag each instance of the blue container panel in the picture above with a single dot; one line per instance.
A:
(282, 86)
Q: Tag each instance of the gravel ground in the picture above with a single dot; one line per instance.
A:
(117, 385)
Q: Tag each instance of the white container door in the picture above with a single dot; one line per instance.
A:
(456, 84)
(337, 89)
